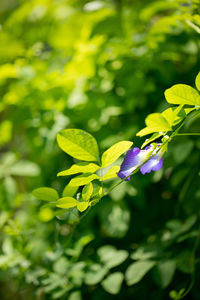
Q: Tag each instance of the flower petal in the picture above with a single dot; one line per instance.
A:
(153, 164)
(130, 163)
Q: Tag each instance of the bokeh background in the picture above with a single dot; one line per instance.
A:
(101, 66)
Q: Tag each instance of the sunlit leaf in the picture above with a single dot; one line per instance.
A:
(67, 202)
(80, 168)
(87, 191)
(83, 179)
(197, 81)
(82, 206)
(46, 194)
(78, 144)
(114, 152)
(182, 94)
(112, 173)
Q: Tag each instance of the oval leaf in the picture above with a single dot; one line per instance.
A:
(67, 202)
(69, 191)
(83, 179)
(78, 144)
(137, 270)
(87, 192)
(182, 94)
(112, 173)
(80, 168)
(114, 152)
(46, 194)
(82, 206)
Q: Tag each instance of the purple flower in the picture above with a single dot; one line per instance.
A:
(136, 157)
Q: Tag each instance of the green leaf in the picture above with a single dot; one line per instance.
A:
(80, 168)
(87, 192)
(46, 194)
(112, 173)
(155, 122)
(114, 152)
(164, 272)
(197, 81)
(69, 190)
(95, 274)
(174, 115)
(67, 202)
(136, 271)
(24, 168)
(182, 94)
(78, 144)
(151, 139)
(83, 179)
(82, 206)
(113, 282)
(112, 257)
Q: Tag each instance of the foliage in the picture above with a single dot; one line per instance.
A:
(101, 66)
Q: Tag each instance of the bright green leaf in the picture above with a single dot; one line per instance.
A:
(67, 202)
(46, 194)
(87, 192)
(182, 94)
(80, 168)
(151, 139)
(83, 179)
(82, 206)
(155, 122)
(113, 282)
(78, 144)
(114, 152)
(111, 173)
(69, 191)
(197, 81)
(137, 270)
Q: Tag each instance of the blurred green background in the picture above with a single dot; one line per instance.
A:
(101, 66)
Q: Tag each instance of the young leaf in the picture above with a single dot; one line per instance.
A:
(197, 81)
(136, 271)
(69, 190)
(112, 173)
(155, 122)
(82, 206)
(87, 192)
(113, 282)
(80, 168)
(174, 115)
(182, 94)
(83, 179)
(78, 144)
(114, 152)
(67, 202)
(46, 194)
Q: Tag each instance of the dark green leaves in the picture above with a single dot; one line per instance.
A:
(78, 144)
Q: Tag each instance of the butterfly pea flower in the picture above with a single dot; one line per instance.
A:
(136, 157)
